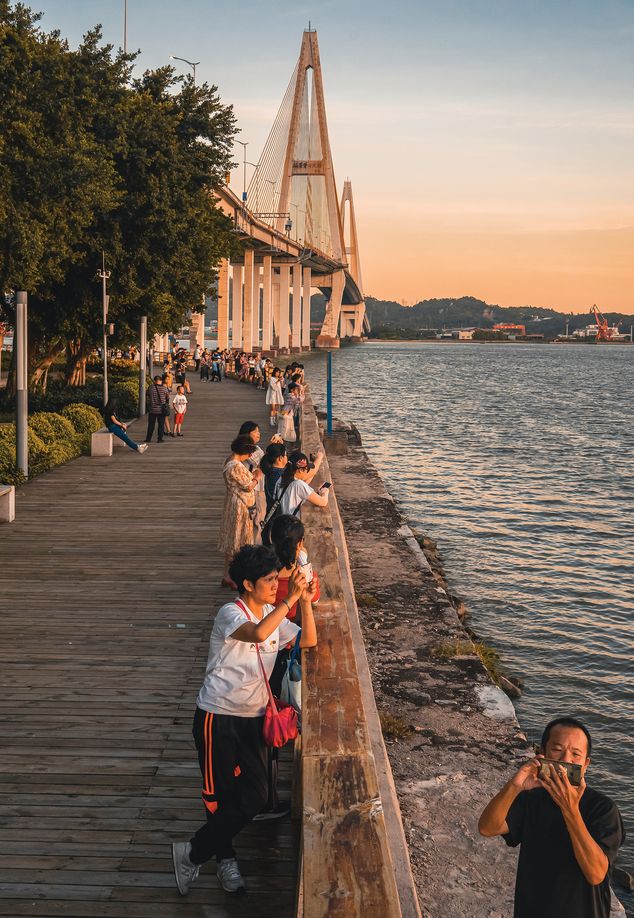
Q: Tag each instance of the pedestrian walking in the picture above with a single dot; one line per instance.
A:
(230, 708)
(118, 428)
(197, 356)
(205, 362)
(180, 407)
(159, 396)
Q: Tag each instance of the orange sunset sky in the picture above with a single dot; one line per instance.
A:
(490, 143)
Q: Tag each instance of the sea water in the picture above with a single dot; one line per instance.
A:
(518, 459)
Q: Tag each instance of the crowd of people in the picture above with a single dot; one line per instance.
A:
(260, 632)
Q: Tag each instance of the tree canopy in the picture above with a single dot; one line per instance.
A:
(93, 161)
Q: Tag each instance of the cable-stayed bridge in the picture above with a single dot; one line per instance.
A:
(297, 233)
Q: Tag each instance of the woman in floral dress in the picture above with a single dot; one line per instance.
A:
(236, 526)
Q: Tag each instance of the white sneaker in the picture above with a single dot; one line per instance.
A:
(229, 875)
(184, 871)
(142, 447)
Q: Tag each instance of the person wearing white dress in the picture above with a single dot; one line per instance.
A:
(274, 395)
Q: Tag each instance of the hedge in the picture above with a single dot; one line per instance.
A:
(53, 439)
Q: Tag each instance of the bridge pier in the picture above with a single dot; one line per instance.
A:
(236, 306)
(223, 305)
(283, 328)
(307, 278)
(267, 303)
(296, 325)
(249, 298)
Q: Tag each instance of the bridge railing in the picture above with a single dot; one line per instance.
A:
(355, 857)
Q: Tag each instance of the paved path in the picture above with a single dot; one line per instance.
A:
(109, 579)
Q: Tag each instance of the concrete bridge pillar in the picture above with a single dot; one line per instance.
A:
(283, 329)
(236, 306)
(249, 301)
(296, 328)
(329, 336)
(275, 298)
(197, 330)
(306, 310)
(223, 304)
(267, 303)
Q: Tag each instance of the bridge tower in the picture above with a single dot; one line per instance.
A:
(353, 320)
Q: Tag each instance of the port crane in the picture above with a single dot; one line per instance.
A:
(604, 332)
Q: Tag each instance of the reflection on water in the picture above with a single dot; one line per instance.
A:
(519, 460)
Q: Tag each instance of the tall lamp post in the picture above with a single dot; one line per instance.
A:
(192, 64)
(125, 26)
(22, 408)
(104, 276)
(244, 146)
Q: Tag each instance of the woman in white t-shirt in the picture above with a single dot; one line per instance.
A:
(230, 710)
(295, 487)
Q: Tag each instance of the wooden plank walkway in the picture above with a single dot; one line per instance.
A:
(109, 580)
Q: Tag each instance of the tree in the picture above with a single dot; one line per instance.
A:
(92, 164)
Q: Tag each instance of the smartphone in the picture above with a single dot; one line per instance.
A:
(307, 571)
(326, 485)
(573, 770)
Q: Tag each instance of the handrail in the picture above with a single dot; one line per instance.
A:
(353, 843)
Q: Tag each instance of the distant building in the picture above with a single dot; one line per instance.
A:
(591, 331)
(510, 328)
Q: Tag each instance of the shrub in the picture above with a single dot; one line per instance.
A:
(39, 456)
(61, 440)
(85, 419)
(126, 395)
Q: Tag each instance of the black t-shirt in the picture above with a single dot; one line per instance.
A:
(550, 883)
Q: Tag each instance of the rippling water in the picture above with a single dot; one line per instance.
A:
(519, 461)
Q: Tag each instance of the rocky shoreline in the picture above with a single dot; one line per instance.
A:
(450, 729)
(451, 733)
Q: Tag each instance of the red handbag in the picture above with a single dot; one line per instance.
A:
(280, 720)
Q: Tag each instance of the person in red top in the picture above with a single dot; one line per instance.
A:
(287, 538)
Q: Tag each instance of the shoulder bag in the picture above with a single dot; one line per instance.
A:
(280, 720)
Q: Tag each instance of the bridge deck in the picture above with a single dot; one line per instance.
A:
(109, 578)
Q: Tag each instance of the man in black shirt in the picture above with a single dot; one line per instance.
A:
(569, 836)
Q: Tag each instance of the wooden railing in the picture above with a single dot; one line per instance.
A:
(355, 859)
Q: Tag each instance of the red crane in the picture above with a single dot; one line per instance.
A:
(604, 332)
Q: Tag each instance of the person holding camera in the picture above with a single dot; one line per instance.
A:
(295, 483)
(569, 833)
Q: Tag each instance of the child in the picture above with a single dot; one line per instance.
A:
(180, 407)
(274, 397)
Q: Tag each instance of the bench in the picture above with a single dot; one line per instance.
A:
(7, 503)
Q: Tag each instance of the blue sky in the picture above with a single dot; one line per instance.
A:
(490, 144)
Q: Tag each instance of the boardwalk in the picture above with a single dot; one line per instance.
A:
(109, 579)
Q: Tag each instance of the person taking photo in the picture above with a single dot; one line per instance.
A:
(568, 835)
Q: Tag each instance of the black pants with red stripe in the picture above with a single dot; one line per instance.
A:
(233, 762)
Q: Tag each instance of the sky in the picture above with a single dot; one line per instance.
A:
(490, 143)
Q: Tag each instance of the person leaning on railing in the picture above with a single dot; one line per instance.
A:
(295, 483)
(229, 717)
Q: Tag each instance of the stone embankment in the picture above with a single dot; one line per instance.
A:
(452, 735)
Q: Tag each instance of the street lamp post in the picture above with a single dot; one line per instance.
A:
(125, 26)
(104, 276)
(244, 146)
(20, 346)
(192, 64)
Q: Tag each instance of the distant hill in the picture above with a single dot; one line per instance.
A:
(469, 312)
(391, 319)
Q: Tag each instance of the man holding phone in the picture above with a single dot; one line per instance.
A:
(569, 835)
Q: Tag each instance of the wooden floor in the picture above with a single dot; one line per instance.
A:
(109, 580)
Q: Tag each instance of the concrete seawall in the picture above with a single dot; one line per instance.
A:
(451, 734)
